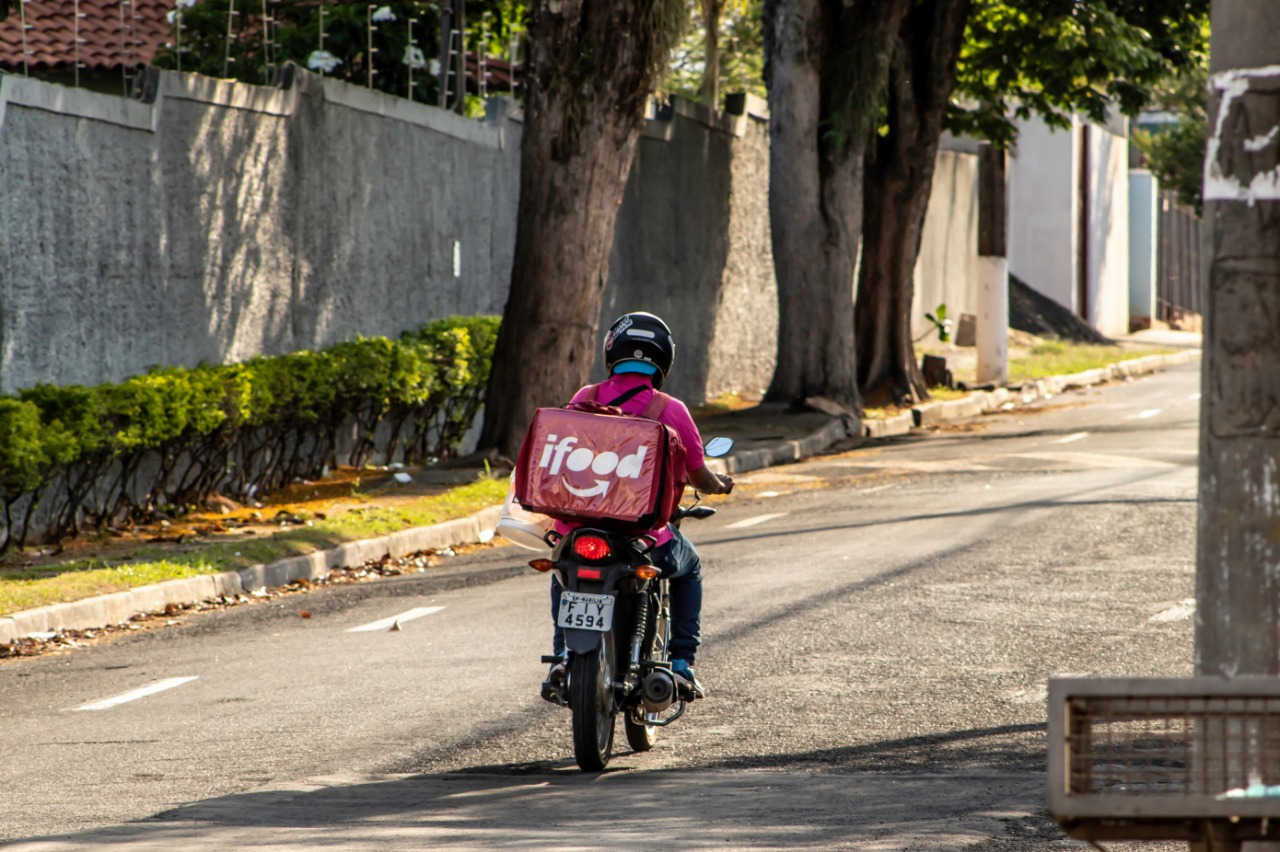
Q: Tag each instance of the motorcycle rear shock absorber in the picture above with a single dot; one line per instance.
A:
(641, 628)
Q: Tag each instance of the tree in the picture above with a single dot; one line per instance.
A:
(1175, 152)
(735, 39)
(592, 66)
(899, 180)
(826, 65)
(1019, 57)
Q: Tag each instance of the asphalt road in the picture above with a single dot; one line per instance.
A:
(879, 628)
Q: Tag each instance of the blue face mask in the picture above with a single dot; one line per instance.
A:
(644, 368)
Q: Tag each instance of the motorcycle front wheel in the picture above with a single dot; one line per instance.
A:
(591, 702)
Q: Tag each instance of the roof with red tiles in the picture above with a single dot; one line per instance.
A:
(112, 33)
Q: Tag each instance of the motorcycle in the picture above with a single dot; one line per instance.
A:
(616, 620)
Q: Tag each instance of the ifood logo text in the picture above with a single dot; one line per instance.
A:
(560, 452)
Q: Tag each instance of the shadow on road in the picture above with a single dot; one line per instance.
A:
(946, 791)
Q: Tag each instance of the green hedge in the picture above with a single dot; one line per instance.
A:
(74, 455)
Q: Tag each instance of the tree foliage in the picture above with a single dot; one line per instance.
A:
(741, 51)
(1175, 152)
(1051, 58)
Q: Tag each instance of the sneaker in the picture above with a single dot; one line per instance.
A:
(553, 686)
(691, 685)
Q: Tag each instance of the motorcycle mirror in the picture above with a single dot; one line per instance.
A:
(718, 446)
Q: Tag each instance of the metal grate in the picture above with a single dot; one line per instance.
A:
(1165, 758)
(1173, 746)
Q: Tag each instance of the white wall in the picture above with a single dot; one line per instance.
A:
(1143, 224)
(1043, 188)
(947, 268)
(1108, 308)
(1044, 214)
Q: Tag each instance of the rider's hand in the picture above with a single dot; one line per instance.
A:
(707, 482)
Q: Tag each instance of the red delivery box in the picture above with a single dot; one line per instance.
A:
(605, 469)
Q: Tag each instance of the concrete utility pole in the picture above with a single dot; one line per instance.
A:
(1238, 551)
(992, 331)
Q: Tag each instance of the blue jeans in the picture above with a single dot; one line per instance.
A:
(683, 569)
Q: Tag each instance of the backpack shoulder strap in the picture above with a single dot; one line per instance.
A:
(627, 395)
(653, 411)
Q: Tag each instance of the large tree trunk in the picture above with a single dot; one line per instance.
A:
(592, 69)
(898, 184)
(826, 65)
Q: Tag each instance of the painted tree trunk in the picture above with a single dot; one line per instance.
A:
(816, 184)
(593, 67)
(898, 184)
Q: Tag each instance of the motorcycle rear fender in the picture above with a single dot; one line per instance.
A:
(581, 641)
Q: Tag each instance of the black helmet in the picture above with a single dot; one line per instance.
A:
(640, 336)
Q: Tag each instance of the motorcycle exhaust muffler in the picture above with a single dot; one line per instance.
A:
(658, 691)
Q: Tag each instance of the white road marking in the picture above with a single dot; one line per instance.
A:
(1071, 439)
(1145, 415)
(385, 623)
(751, 522)
(876, 489)
(1178, 612)
(135, 694)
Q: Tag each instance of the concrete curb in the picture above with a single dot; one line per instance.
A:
(121, 606)
(980, 402)
(782, 452)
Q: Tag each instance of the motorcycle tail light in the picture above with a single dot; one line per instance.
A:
(591, 547)
(588, 573)
(542, 565)
(646, 572)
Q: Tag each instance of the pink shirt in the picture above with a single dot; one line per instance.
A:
(676, 415)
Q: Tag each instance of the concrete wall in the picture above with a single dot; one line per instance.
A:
(693, 247)
(217, 221)
(1045, 238)
(1043, 218)
(1108, 308)
(947, 268)
(220, 221)
(1144, 219)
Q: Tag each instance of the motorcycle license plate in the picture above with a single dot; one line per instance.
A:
(588, 612)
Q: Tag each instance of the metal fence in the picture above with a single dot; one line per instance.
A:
(1179, 278)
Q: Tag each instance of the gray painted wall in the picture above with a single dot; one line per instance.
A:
(223, 221)
(217, 221)
(692, 246)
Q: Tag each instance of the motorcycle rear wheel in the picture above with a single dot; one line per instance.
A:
(591, 701)
(640, 736)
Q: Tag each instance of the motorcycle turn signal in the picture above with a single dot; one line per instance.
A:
(647, 572)
(542, 565)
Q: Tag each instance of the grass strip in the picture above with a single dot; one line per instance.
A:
(1061, 358)
(77, 580)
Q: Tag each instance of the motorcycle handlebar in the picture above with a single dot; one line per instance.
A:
(694, 512)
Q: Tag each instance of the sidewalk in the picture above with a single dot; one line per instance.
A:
(765, 435)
